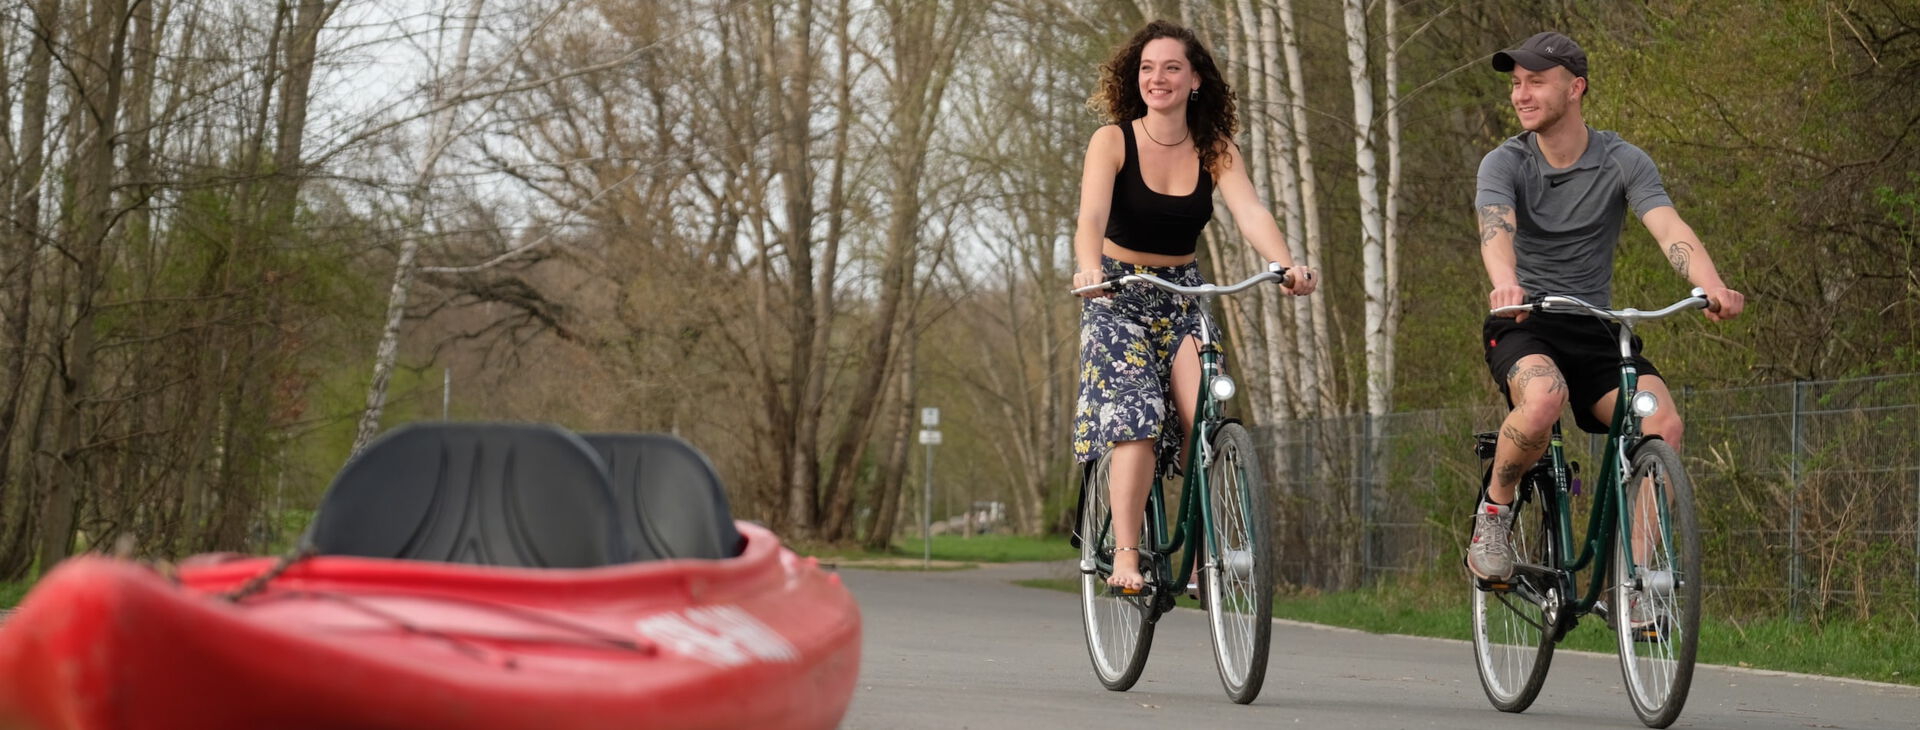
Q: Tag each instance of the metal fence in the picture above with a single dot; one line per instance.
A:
(1808, 493)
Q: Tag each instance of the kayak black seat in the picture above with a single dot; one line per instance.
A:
(670, 500)
(511, 495)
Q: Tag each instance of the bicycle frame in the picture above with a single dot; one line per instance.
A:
(1195, 517)
(1609, 509)
(1610, 518)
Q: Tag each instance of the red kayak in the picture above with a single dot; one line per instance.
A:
(430, 636)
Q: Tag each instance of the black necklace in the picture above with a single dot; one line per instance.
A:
(1183, 138)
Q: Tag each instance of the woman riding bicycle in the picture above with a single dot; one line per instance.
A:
(1145, 195)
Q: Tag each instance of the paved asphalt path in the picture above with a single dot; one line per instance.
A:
(968, 649)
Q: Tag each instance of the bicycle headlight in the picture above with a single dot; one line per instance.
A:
(1222, 387)
(1645, 403)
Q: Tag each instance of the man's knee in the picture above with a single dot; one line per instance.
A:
(1539, 406)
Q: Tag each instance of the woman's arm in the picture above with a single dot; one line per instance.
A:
(1106, 153)
(1255, 222)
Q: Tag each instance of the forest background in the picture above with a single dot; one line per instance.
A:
(242, 237)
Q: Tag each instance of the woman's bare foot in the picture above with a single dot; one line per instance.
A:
(1126, 570)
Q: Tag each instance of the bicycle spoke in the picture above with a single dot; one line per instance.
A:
(1522, 615)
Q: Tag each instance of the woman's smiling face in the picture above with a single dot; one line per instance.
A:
(1166, 77)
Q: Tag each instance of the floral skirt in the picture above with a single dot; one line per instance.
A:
(1127, 345)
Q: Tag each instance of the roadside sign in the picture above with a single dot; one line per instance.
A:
(930, 437)
(930, 417)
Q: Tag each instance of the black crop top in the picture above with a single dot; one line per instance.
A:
(1142, 220)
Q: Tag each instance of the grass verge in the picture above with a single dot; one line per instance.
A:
(1883, 651)
(977, 549)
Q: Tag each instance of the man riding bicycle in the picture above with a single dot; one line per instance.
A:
(1551, 201)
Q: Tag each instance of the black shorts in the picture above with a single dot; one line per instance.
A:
(1586, 350)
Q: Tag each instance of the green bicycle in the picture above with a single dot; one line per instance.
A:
(1642, 545)
(1224, 508)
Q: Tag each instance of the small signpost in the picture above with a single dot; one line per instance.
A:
(930, 437)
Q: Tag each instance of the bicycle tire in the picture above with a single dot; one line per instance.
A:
(1119, 630)
(1239, 567)
(1514, 630)
(1656, 662)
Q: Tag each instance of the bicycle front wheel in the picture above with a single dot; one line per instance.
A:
(1239, 567)
(1514, 627)
(1119, 628)
(1657, 581)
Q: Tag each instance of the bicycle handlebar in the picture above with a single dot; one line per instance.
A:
(1628, 316)
(1204, 290)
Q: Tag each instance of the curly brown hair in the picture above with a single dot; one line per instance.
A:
(1210, 118)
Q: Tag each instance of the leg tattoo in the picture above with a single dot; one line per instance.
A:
(1526, 443)
(1509, 473)
(1557, 384)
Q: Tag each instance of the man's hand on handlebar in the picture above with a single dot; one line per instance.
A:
(1507, 296)
(1724, 304)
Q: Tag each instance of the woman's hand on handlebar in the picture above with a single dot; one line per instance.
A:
(1302, 281)
(1090, 277)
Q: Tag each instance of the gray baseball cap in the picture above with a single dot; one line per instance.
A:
(1541, 52)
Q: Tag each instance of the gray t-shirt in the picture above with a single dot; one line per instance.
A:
(1569, 218)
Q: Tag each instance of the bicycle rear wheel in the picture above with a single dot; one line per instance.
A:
(1119, 628)
(1239, 566)
(1656, 657)
(1513, 628)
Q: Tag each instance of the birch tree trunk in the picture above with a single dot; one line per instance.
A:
(438, 138)
(1379, 381)
(1317, 359)
(1302, 378)
(1261, 159)
(1392, 262)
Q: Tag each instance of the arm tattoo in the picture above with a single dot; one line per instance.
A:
(1493, 221)
(1677, 254)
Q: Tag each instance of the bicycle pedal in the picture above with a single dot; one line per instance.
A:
(1492, 586)
(1653, 633)
(1145, 591)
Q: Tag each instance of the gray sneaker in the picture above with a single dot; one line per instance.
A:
(1491, 555)
(1640, 613)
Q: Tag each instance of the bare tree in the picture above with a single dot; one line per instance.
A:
(925, 40)
(23, 246)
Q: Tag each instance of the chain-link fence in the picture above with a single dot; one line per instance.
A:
(1808, 493)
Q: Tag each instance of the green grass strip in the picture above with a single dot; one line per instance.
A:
(1879, 650)
(977, 549)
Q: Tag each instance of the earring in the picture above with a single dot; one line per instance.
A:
(1193, 95)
